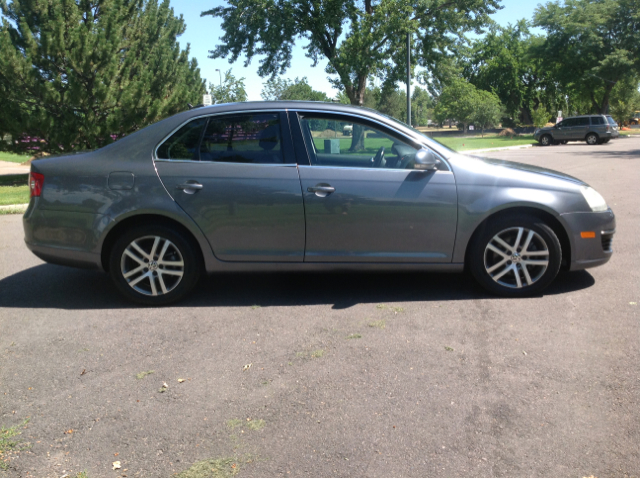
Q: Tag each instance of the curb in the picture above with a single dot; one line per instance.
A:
(14, 209)
(503, 148)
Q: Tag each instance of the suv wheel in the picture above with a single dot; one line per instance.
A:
(592, 139)
(154, 265)
(515, 256)
(546, 140)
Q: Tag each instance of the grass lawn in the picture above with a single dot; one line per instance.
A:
(13, 158)
(489, 141)
(14, 195)
(14, 189)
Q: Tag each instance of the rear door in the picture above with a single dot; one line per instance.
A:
(236, 176)
(579, 129)
(364, 201)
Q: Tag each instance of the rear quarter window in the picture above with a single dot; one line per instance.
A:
(183, 144)
(597, 120)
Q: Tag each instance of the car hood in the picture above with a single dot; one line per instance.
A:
(531, 168)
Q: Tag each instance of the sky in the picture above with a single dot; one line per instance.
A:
(203, 34)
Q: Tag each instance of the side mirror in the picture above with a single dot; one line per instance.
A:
(425, 159)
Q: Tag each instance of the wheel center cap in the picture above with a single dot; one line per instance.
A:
(516, 258)
(153, 265)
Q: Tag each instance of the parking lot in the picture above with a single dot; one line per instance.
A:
(332, 374)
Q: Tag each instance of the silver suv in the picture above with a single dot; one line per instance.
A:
(594, 129)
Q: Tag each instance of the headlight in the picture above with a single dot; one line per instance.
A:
(595, 199)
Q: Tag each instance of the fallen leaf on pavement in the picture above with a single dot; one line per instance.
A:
(116, 465)
(181, 380)
(247, 366)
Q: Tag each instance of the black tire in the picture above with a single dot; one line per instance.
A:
(546, 140)
(486, 265)
(592, 139)
(177, 272)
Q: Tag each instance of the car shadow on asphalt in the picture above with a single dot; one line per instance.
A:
(57, 287)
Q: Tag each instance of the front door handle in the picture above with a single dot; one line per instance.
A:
(190, 187)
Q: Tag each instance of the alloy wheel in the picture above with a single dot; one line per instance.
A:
(516, 257)
(152, 265)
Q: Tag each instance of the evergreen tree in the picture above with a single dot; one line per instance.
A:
(76, 73)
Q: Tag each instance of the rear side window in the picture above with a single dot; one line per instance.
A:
(243, 138)
(597, 120)
(582, 121)
(183, 144)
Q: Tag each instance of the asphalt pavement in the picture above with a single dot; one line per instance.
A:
(332, 375)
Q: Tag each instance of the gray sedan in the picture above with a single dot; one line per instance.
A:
(275, 186)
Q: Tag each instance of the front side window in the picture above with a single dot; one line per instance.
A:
(183, 144)
(341, 141)
(243, 138)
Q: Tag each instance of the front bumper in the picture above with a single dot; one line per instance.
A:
(588, 252)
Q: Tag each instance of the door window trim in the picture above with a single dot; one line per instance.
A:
(285, 133)
(299, 136)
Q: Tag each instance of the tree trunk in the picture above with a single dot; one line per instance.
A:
(357, 140)
(604, 108)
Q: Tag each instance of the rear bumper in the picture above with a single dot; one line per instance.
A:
(590, 252)
(67, 238)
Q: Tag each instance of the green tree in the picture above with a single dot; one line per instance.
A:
(231, 89)
(392, 102)
(358, 39)
(421, 107)
(590, 46)
(458, 101)
(488, 110)
(73, 73)
(540, 116)
(625, 99)
(285, 89)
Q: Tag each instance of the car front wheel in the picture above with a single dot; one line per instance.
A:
(515, 256)
(546, 140)
(154, 265)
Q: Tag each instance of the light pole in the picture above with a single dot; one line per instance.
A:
(220, 76)
(409, 79)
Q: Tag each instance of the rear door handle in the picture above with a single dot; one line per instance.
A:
(190, 188)
(321, 189)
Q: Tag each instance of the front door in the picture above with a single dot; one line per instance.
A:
(235, 175)
(364, 201)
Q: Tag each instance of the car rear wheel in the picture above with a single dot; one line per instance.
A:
(546, 140)
(592, 139)
(154, 265)
(515, 256)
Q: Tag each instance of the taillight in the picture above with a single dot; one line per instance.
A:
(36, 180)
